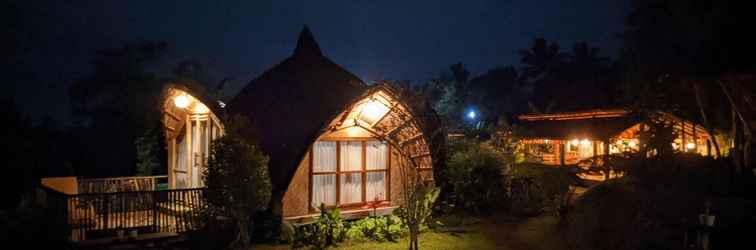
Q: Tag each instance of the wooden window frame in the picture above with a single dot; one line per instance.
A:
(338, 172)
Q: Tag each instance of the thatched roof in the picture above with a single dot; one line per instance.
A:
(290, 105)
(594, 124)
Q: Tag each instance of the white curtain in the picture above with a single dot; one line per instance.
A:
(324, 156)
(324, 185)
(323, 190)
(376, 155)
(351, 156)
(375, 189)
(351, 188)
(181, 163)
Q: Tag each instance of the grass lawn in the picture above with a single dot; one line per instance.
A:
(489, 233)
(472, 238)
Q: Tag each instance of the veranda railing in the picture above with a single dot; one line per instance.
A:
(120, 184)
(92, 215)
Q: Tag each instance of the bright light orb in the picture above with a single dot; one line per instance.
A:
(631, 144)
(690, 145)
(585, 142)
(181, 101)
(471, 114)
(574, 142)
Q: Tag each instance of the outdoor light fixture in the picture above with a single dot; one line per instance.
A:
(373, 110)
(200, 108)
(181, 101)
(690, 145)
(471, 114)
(574, 142)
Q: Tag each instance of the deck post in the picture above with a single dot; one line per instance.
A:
(561, 153)
(154, 211)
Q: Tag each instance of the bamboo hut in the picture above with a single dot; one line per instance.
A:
(331, 138)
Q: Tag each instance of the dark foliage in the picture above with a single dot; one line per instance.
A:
(475, 179)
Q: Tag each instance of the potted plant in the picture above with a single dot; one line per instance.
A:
(120, 233)
(133, 234)
(707, 218)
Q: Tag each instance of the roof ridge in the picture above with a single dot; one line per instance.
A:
(306, 44)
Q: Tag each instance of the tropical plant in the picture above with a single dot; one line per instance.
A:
(237, 183)
(328, 230)
(476, 180)
(417, 207)
(147, 148)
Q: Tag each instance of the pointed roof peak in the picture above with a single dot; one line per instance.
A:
(306, 45)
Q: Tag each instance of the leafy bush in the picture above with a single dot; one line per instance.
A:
(237, 180)
(326, 231)
(475, 179)
(534, 188)
(382, 228)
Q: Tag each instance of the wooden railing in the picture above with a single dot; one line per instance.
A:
(120, 184)
(94, 215)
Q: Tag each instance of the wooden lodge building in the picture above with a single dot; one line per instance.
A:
(332, 139)
(567, 138)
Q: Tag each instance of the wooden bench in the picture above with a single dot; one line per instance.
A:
(148, 240)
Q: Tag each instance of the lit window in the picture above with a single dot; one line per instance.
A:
(361, 172)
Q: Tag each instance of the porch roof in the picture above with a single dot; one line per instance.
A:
(592, 128)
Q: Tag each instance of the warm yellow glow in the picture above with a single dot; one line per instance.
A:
(632, 144)
(355, 131)
(690, 145)
(200, 108)
(373, 110)
(574, 142)
(181, 101)
(585, 142)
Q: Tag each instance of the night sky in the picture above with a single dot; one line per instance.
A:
(399, 40)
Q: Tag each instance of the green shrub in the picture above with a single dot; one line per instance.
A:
(326, 231)
(383, 228)
(534, 188)
(475, 179)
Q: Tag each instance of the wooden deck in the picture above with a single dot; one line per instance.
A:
(97, 215)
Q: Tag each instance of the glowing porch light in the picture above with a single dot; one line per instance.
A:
(471, 114)
(574, 142)
(373, 110)
(200, 108)
(585, 142)
(181, 101)
(690, 145)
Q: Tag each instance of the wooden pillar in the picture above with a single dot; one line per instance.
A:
(606, 149)
(561, 152)
(695, 139)
(682, 134)
(708, 147)
(172, 163)
(188, 139)
(594, 144)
